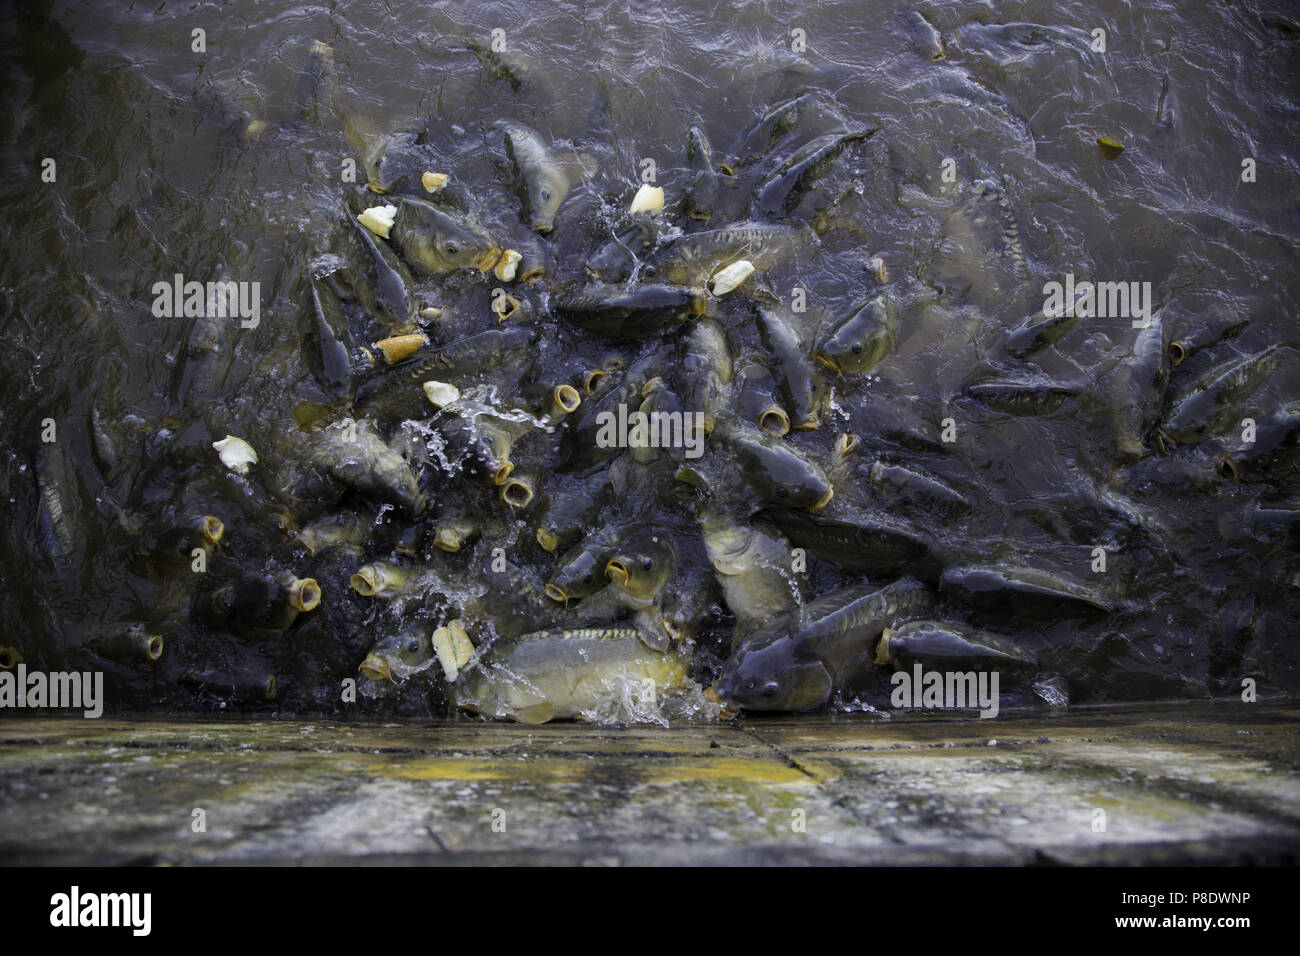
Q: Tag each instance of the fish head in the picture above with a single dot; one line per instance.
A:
(546, 190)
(435, 242)
(613, 262)
(858, 344)
(727, 544)
(775, 678)
(643, 566)
(394, 160)
(397, 655)
(785, 478)
(581, 574)
(1185, 425)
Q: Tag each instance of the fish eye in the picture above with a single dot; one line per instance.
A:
(650, 271)
(452, 248)
(749, 684)
(546, 195)
(587, 578)
(857, 348)
(647, 564)
(413, 646)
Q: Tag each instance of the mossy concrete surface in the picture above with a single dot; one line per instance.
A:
(1193, 783)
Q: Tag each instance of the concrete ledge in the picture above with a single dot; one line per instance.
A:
(1178, 784)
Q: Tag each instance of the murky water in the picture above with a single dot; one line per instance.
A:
(982, 181)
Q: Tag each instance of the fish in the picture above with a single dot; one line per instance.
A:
(792, 369)
(692, 259)
(1019, 396)
(899, 485)
(508, 599)
(353, 454)
(259, 604)
(617, 259)
(706, 370)
(54, 519)
(641, 566)
(455, 531)
(570, 509)
(544, 176)
(381, 577)
(1138, 388)
(481, 443)
(1187, 342)
(581, 445)
(550, 404)
(980, 254)
(824, 648)
(783, 189)
(702, 178)
(435, 242)
(1014, 592)
(1216, 400)
(559, 673)
(776, 471)
(949, 646)
(752, 566)
(315, 92)
(209, 355)
(581, 572)
(1277, 436)
(379, 280)
(328, 344)
(250, 684)
(779, 120)
(874, 544)
(130, 643)
(633, 313)
(1038, 332)
(861, 342)
(922, 36)
(173, 552)
(398, 656)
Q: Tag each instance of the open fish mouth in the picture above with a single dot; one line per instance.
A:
(213, 529)
(447, 539)
(304, 594)
(823, 501)
(557, 594)
(376, 667)
(774, 421)
(1228, 468)
(567, 398)
(366, 582)
(517, 493)
(617, 573)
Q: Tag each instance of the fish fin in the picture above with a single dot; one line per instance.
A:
(535, 713)
(654, 637)
(577, 166)
(817, 681)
